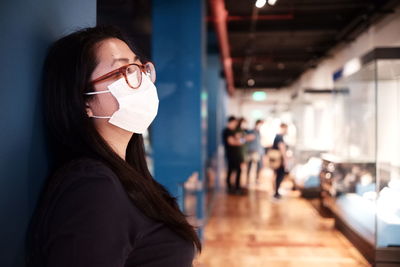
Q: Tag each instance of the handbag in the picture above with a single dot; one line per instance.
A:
(274, 158)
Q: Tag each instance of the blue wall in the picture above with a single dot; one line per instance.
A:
(178, 51)
(27, 28)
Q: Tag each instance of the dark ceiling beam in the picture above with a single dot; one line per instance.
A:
(322, 24)
(273, 73)
(275, 84)
(275, 59)
(272, 50)
(282, 81)
(298, 26)
(355, 27)
(304, 34)
(269, 70)
(269, 78)
(361, 22)
(318, 6)
(234, 5)
(277, 55)
(268, 17)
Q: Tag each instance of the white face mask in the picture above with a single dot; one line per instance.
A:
(137, 107)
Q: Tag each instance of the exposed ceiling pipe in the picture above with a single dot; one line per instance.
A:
(220, 15)
(259, 17)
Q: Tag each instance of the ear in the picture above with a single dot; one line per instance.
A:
(89, 111)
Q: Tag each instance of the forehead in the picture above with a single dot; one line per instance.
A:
(110, 49)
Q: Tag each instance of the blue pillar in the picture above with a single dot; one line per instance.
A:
(217, 97)
(178, 133)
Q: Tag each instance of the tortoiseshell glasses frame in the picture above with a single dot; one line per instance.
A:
(147, 68)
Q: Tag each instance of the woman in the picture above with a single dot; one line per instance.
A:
(102, 207)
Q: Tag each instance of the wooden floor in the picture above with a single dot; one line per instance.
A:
(255, 230)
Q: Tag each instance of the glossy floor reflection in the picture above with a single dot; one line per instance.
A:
(255, 230)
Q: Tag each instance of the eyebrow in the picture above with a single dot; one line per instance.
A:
(124, 59)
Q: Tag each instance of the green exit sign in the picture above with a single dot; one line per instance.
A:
(259, 96)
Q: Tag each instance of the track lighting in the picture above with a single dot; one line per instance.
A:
(272, 2)
(260, 3)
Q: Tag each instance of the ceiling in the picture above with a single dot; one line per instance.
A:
(272, 46)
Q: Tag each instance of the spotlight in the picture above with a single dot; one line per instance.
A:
(261, 3)
(251, 82)
(272, 2)
(259, 67)
(281, 66)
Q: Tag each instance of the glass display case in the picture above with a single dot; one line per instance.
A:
(388, 159)
(360, 178)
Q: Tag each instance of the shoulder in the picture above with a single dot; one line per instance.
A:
(86, 178)
(279, 138)
(90, 190)
(85, 165)
(89, 213)
(84, 169)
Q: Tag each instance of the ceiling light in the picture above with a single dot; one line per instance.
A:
(272, 2)
(261, 3)
(251, 82)
(281, 66)
(259, 67)
(351, 67)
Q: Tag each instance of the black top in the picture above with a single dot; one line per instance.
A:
(91, 222)
(231, 151)
(278, 139)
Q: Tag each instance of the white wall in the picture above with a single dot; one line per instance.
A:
(313, 116)
(242, 104)
(273, 110)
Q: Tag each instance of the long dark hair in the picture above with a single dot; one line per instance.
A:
(67, 73)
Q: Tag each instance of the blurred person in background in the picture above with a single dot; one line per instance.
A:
(280, 146)
(242, 134)
(255, 151)
(233, 152)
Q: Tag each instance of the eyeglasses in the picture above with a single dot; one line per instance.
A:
(132, 73)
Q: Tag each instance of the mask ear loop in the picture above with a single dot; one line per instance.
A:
(97, 93)
(101, 117)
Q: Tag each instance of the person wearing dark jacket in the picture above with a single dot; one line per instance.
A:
(233, 152)
(101, 207)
